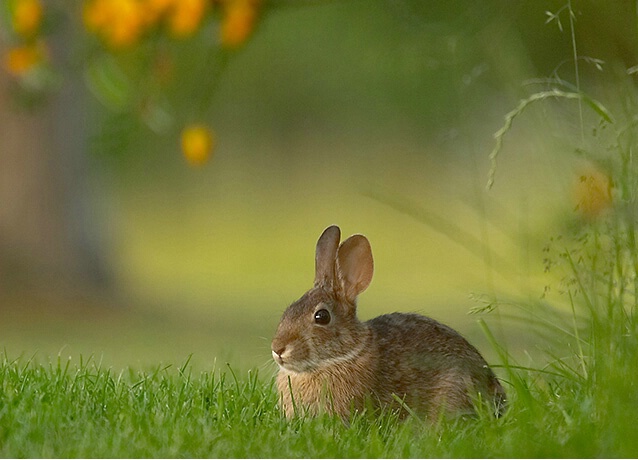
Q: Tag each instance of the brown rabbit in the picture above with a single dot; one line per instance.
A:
(331, 362)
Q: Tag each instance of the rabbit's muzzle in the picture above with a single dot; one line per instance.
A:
(287, 359)
(277, 356)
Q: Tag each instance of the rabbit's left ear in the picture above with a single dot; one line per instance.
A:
(326, 255)
(354, 266)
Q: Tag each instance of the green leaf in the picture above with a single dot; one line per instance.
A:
(109, 83)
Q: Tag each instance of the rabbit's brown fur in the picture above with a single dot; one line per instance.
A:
(343, 364)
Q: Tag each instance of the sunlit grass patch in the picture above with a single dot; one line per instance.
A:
(80, 409)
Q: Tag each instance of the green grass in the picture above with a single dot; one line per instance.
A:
(90, 412)
(67, 409)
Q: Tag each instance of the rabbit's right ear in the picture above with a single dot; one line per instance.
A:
(326, 256)
(355, 266)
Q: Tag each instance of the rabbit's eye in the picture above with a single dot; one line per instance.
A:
(322, 316)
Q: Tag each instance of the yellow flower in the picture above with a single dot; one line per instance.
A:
(21, 59)
(154, 10)
(96, 15)
(186, 16)
(592, 193)
(127, 25)
(197, 144)
(27, 17)
(238, 22)
(120, 23)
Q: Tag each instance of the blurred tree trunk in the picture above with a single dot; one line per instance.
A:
(47, 231)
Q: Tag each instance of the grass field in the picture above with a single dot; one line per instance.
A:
(79, 409)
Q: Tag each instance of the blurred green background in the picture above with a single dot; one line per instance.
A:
(375, 115)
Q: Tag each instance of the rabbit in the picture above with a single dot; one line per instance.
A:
(329, 361)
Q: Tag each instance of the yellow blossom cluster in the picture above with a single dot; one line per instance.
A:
(26, 17)
(592, 193)
(29, 49)
(123, 23)
(197, 144)
(238, 21)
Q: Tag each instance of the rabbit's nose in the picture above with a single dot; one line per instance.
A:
(277, 352)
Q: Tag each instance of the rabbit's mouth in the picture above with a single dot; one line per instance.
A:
(286, 364)
(278, 359)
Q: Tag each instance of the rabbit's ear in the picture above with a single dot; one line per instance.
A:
(355, 266)
(326, 256)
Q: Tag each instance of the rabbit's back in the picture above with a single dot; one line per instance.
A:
(430, 366)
